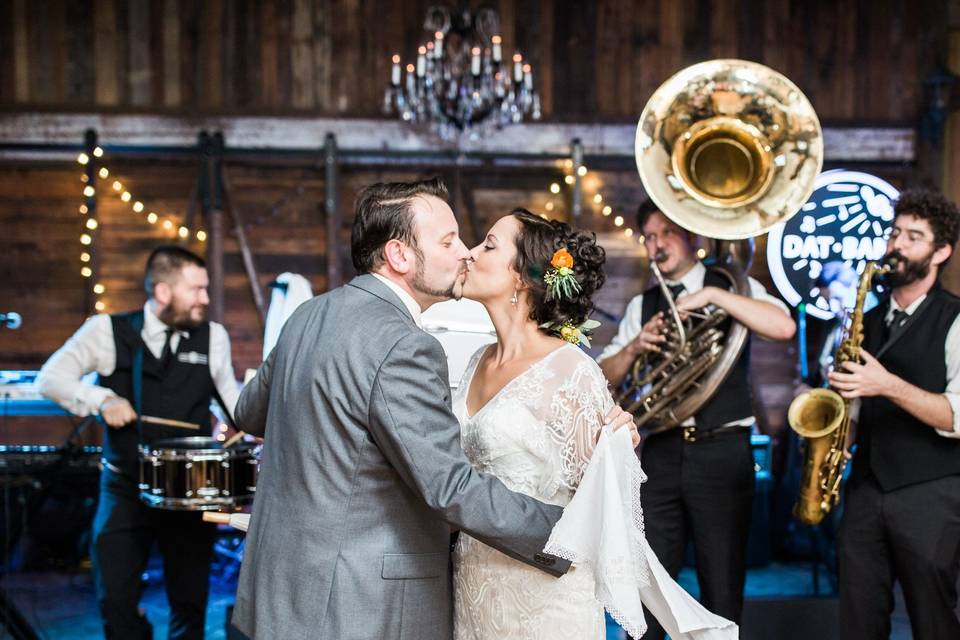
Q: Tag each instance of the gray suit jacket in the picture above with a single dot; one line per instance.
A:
(363, 479)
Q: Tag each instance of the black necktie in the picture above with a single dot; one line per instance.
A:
(895, 321)
(167, 351)
(676, 289)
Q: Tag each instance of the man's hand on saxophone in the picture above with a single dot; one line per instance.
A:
(855, 380)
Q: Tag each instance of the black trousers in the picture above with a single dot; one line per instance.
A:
(701, 491)
(911, 535)
(124, 529)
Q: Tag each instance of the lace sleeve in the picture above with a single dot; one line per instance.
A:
(579, 400)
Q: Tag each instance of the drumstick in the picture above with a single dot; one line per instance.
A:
(167, 422)
(234, 439)
(239, 521)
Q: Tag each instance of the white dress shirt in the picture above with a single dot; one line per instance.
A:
(632, 323)
(412, 305)
(951, 350)
(92, 348)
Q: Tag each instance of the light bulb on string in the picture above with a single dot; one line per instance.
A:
(167, 225)
(125, 196)
(89, 191)
(117, 185)
(86, 272)
(100, 306)
(184, 232)
(598, 198)
(607, 210)
(138, 206)
(554, 188)
(618, 221)
(92, 223)
(569, 179)
(83, 158)
(152, 218)
(84, 209)
(628, 232)
(85, 239)
(99, 288)
(202, 235)
(84, 257)
(104, 172)
(98, 152)
(581, 171)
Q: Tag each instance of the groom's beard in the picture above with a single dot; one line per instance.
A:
(913, 270)
(453, 291)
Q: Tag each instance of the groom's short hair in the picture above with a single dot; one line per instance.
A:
(382, 213)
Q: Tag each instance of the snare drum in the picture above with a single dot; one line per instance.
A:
(197, 474)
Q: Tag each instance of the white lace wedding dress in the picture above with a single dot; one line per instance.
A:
(537, 436)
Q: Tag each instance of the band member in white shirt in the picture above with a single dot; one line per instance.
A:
(164, 360)
(701, 477)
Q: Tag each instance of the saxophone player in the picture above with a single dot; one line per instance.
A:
(902, 516)
(701, 477)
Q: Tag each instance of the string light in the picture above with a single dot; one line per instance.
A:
(581, 171)
(548, 206)
(701, 253)
(607, 210)
(618, 221)
(628, 232)
(598, 198)
(569, 179)
(91, 223)
(554, 188)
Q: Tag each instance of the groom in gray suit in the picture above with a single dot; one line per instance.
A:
(363, 477)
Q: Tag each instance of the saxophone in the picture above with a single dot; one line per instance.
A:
(822, 417)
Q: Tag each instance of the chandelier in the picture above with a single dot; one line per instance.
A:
(460, 84)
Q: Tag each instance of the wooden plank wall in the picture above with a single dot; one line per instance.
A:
(857, 60)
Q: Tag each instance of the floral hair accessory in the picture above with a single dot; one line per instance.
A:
(561, 281)
(572, 333)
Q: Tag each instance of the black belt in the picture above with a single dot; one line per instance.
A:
(693, 434)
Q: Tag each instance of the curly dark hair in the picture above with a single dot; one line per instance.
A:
(537, 241)
(939, 212)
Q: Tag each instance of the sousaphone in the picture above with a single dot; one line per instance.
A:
(726, 149)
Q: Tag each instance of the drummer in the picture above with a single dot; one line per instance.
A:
(162, 361)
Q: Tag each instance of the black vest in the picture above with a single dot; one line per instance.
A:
(895, 447)
(732, 400)
(181, 391)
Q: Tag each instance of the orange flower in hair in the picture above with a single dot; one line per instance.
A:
(561, 258)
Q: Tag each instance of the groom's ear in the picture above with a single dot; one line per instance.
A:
(395, 254)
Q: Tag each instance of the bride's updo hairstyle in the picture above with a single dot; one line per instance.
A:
(537, 241)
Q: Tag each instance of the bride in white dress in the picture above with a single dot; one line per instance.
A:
(531, 407)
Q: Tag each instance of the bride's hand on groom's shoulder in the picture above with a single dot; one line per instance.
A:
(620, 418)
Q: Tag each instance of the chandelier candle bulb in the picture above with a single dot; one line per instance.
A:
(497, 50)
(395, 72)
(438, 45)
(421, 61)
(527, 77)
(517, 68)
(475, 61)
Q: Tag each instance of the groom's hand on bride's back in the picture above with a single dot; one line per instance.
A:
(619, 419)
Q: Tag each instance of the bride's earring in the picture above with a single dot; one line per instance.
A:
(514, 299)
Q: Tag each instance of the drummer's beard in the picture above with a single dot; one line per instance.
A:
(183, 316)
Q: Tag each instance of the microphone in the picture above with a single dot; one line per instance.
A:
(12, 320)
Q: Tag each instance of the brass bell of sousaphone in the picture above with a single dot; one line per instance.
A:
(726, 149)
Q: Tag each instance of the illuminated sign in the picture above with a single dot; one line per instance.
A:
(844, 221)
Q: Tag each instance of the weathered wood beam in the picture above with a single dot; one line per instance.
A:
(842, 144)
